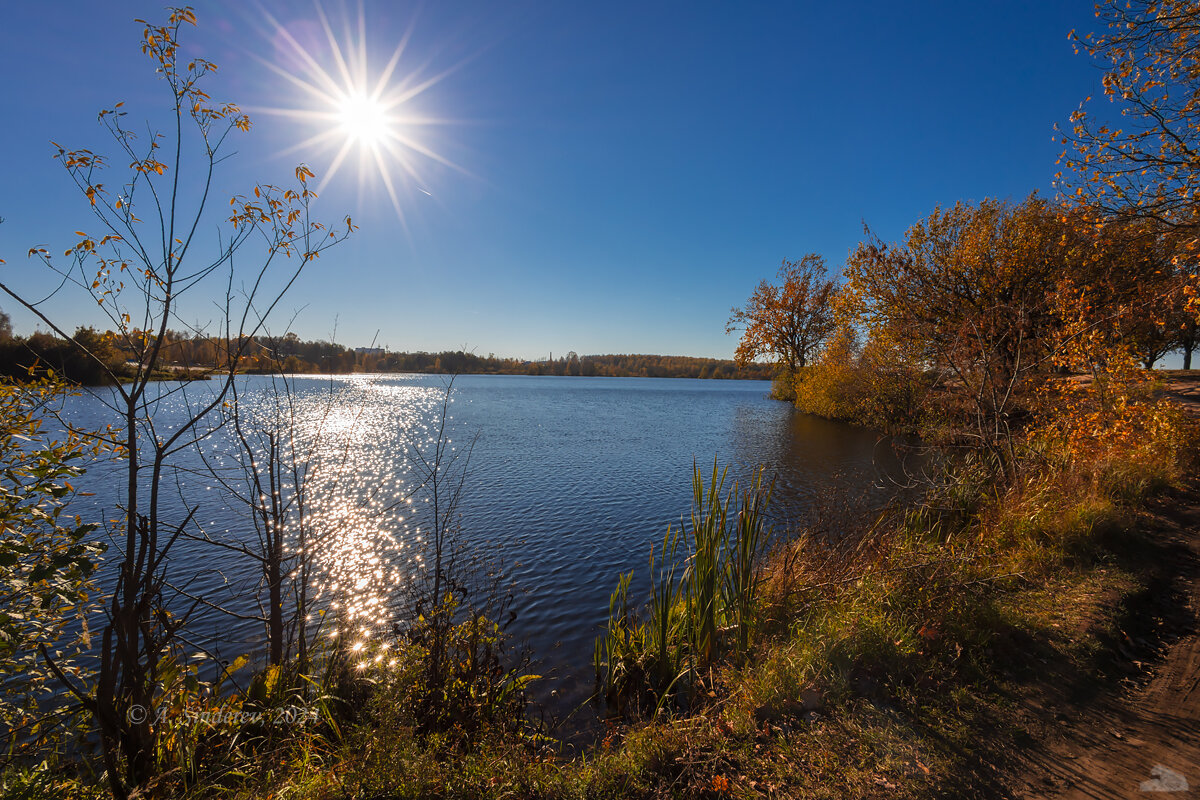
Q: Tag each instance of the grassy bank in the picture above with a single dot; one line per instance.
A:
(899, 664)
(893, 656)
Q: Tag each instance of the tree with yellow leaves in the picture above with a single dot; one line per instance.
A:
(788, 321)
(965, 297)
(1146, 165)
(137, 272)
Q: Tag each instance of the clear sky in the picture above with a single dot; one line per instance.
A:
(608, 176)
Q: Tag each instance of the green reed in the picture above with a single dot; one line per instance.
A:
(665, 619)
(704, 585)
(742, 553)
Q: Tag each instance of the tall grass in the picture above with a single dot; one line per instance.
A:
(703, 599)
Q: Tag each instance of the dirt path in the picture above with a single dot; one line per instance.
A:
(1142, 740)
(1184, 388)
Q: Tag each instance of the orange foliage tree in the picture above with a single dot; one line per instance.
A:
(966, 296)
(788, 321)
(1145, 166)
(1133, 285)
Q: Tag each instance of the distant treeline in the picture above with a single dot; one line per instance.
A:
(638, 366)
(115, 355)
(20, 356)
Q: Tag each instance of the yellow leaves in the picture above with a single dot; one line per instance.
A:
(148, 166)
(303, 173)
(180, 15)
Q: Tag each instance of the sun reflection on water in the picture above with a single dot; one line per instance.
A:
(356, 436)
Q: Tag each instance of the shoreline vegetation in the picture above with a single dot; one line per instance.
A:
(90, 358)
(896, 653)
(892, 653)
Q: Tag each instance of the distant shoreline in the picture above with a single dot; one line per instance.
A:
(508, 374)
(95, 358)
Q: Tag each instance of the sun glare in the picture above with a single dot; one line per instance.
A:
(363, 119)
(355, 107)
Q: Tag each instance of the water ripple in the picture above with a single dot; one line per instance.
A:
(571, 481)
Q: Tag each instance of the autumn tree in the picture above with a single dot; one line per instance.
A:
(1145, 165)
(966, 297)
(787, 321)
(1129, 278)
(138, 267)
(831, 387)
(1147, 286)
(1126, 279)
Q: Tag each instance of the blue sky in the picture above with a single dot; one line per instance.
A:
(623, 174)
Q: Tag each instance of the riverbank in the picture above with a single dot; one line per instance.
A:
(931, 662)
(939, 655)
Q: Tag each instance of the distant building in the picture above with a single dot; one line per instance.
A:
(370, 351)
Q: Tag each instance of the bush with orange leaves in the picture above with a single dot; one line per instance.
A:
(873, 384)
(1107, 421)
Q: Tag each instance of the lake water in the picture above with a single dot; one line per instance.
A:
(570, 481)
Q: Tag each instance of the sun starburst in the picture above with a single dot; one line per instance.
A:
(356, 110)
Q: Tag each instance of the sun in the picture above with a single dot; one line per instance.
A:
(356, 109)
(363, 119)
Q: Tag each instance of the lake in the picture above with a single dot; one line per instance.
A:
(570, 481)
